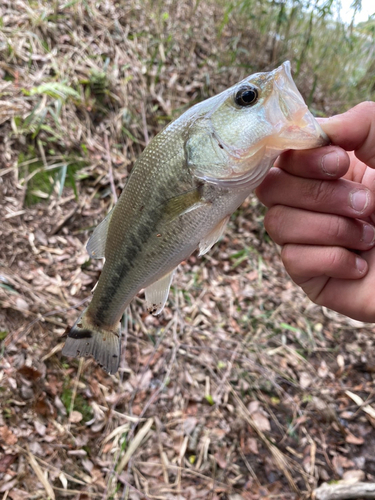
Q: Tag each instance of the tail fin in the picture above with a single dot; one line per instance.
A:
(85, 339)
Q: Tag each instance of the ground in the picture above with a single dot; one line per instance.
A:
(241, 388)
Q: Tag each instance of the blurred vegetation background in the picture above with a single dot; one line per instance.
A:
(73, 70)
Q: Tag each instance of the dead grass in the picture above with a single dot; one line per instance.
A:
(242, 389)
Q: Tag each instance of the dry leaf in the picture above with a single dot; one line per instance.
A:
(261, 421)
(16, 494)
(354, 476)
(29, 373)
(252, 446)
(6, 461)
(189, 425)
(75, 417)
(7, 436)
(323, 369)
(340, 462)
(221, 458)
(305, 380)
(351, 439)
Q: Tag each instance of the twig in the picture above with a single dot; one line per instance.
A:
(279, 458)
(39, 473)
(134, 444)
(248, 466)
(344, 491)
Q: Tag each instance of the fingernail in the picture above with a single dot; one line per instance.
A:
(330, 163)
(368, 235)
(360, 264)
(359, 200)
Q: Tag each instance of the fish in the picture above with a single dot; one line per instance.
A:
(180, 195)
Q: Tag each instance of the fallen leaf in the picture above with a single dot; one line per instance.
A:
(305, 380)
(29, 373)
(75, 417)
(17, 494)
(252, 446)
(142, 380)
(22, 304)
(189, 425)
(6, 461)
(350, 438)
(220, 457)
(340, 462)
(261, 421)
(323, 369)
(354, 476)
(253, 406)
(7, 436)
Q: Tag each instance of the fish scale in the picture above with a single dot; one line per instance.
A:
(190, 178)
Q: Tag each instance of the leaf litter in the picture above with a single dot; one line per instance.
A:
(242, 389)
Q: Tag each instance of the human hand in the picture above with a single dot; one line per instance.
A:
(322, 204)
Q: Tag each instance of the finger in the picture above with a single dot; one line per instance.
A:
(341, 197)
(293, 225)
(304, 262)
(351, 297)
(354, 130)
(329, 162)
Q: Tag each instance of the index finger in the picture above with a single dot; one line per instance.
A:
(329, 162)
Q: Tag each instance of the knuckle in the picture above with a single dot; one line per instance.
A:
(289, 258)
(268, 190)
(319, 192)
(366, 105)
(274, 223)
(335, 258)
(337, 228)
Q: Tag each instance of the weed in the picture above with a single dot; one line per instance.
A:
(80, 403)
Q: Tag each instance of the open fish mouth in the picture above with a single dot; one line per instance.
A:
(290, 115)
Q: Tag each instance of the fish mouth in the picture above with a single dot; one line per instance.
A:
(296, 127)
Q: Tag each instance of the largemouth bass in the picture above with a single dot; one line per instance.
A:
(180, 194)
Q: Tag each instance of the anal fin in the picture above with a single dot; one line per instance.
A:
(213, 236)
(157, 294)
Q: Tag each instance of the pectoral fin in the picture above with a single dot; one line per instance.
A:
(157, 294)
(212, 237)
(96, 244)
(182, 204)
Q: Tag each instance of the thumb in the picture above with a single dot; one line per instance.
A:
(354, 131)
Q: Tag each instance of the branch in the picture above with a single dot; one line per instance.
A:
(344, 491)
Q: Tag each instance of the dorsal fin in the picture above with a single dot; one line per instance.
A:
(212, 237)
(157, 294)
(96, 244)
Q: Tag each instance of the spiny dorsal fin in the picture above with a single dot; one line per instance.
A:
(96, 243)
(157, 294)
(212, 237)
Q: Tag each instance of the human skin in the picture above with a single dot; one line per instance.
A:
(321, 211)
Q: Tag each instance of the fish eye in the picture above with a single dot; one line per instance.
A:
(246, 96)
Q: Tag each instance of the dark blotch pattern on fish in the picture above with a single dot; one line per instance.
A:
(133, 250)
(79, 334)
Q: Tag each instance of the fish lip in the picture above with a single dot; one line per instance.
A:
(295, 110)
